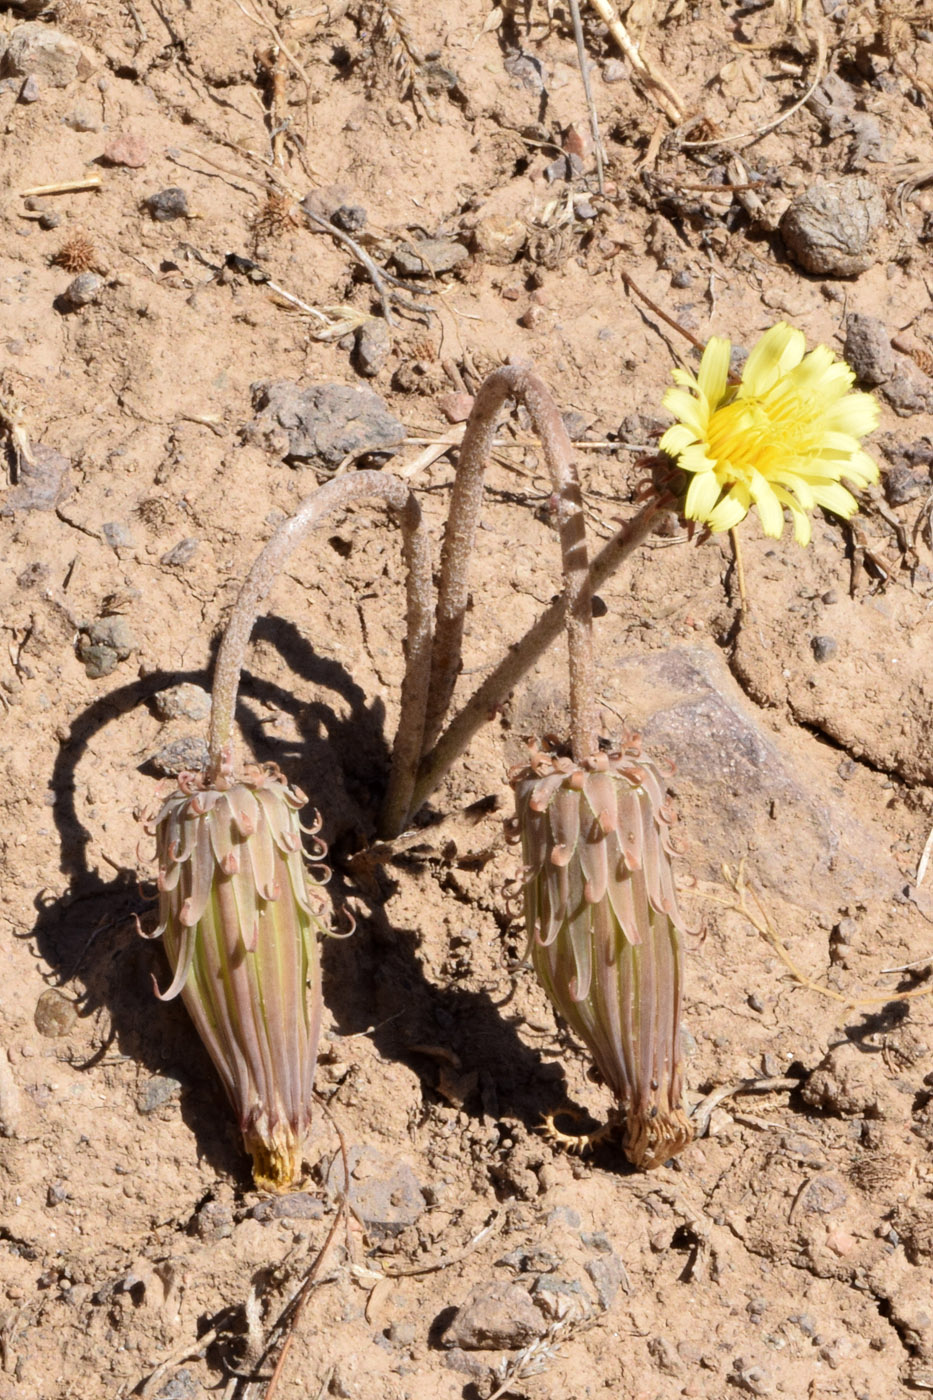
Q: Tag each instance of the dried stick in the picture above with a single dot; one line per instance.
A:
(337, 494)
(661, 90)
(588, 91)
(516, 382)
(520, 659)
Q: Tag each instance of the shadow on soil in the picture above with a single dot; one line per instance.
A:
(90, 945)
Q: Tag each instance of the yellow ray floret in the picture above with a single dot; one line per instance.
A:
(785, 436)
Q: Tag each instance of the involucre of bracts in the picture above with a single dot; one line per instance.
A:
(240, 914)
(606, 933)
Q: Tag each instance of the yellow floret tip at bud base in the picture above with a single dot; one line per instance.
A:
(240, 914)
(606, 933)
(784, 437)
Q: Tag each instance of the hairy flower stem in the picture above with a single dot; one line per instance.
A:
(521, 657)
(520, 383)
(335, 495)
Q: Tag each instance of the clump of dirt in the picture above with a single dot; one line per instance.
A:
(401, 197)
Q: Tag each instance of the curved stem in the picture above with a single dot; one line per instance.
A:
(520, 659)
(334, 495)
(516, 382)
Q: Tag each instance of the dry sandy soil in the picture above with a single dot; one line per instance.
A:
(788, 1251)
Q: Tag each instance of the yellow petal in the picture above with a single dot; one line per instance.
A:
(714, 369)
(837, 499)
(769, 507)
(702, 495)
(676, 439)
(780, 349)
(802, 529)
(688, 409)
(732, 509)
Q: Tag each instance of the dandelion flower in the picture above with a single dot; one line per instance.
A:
(786, 435)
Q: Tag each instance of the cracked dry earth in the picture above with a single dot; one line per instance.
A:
(789, 1250)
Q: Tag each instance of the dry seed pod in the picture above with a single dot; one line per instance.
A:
(606, 934)
(240, 916)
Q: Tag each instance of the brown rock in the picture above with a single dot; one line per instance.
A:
(852, 1083)
(495, 1315)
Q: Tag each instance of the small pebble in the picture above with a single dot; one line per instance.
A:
(214, 1221)
(49, 219)
(615, 71)
(157, 1091)
(402, 1333)
(186, 755)
(349, 217)
(128, 150)
(29, 92)
(82, 119)
(373, 346)
(170, 203)
(182, 552)
(824, 648)
(55, 1014)
(84, 290)
(185, 701)
(117, 535)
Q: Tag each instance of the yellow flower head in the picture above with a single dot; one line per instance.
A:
(784, 436)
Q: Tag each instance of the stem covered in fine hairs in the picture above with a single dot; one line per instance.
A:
(334, 495)
(521, 657)
(576, 609)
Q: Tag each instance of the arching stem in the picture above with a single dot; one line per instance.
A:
(576, 609)
(521, 657)
(335, 495)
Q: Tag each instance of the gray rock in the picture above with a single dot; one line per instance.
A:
(823, 1195)
(384, 1191)
(607, 1275)
(171, 203)
(117, 535)
(326, 422)
(559, 1297)
(902, 485)
(182, 1386)
(185, 701)
(29, 92)
(869, 351)
(429, 257)
(351, 218)
(47, 53)
(373, 347)
(690, 711)
(103, 644)
(181, 553)
(495, 1315)
(214, 1221)
(456, 1359)
(82, 119)
(297, 1205)
(157, 1091)
(43, 483)
(186, 755)
(82, 291)
(833, 227)
(824, 648)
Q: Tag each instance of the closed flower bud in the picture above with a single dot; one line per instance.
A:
(239, 913)
(606, 934)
